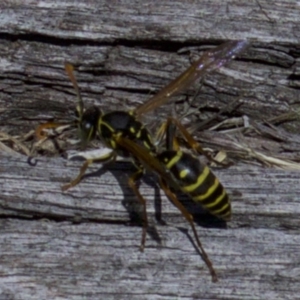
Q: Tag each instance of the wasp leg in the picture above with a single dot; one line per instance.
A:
(189, 218)
(191, 141)
(167, 129)
(132, 183)
(108, 158)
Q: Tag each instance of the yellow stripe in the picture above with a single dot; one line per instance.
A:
(101, 123)
(132, 129)
(113, 144)
(208, 193)
(174, 160)
(89, 137)
(138, 135)
(200, 180)
(149, 137)
(227, 216)
(147, 145)
(217, 201)
(217, 212)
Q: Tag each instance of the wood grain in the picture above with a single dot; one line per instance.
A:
(83, 244)
(97, 248)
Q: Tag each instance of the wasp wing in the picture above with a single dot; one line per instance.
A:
(209, 61)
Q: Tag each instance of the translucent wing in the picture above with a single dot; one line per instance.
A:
(209, 61)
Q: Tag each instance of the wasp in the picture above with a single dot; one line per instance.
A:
(183, 171)
(125, 134)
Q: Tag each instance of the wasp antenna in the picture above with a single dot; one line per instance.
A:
(70, 71)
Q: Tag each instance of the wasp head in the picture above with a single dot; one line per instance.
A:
(88, 124)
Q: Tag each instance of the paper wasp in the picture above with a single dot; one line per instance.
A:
(180, 170)
(123, 133)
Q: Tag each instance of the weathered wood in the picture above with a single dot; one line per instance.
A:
(256, 250)
(41, 260)
(35, 191)
(119, 61)
(129, 50)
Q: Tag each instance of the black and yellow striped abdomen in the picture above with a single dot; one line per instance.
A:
(197, 181)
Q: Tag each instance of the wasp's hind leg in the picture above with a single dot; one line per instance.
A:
(189, 218)
(108, 158)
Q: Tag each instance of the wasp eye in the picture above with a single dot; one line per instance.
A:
(87, 125)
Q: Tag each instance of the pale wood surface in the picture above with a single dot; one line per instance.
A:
(79, 244)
